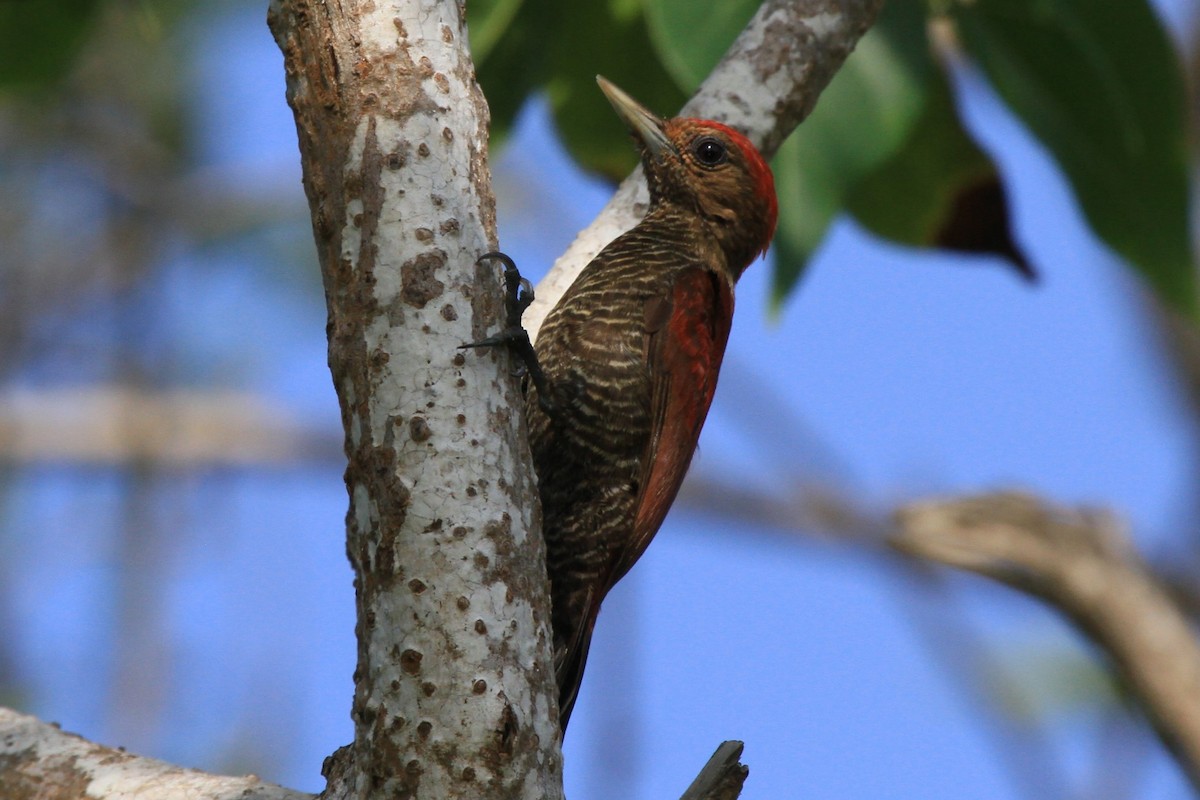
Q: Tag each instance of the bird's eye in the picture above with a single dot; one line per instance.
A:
(709, 151)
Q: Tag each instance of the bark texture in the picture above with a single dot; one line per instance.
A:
(722, 777)
(764, 86)
(39, 761)
(453, 691)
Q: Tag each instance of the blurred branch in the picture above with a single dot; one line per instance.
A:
(809, 508)
(953, 642)
(41, 761)
(122, 424)
(816, 509)
(968, 661)
(1082, 563)
(100, 185)
(722, 777)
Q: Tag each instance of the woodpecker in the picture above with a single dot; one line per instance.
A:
(625, 365)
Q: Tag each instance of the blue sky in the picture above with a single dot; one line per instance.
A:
(890, 376)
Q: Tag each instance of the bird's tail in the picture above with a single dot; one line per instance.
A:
(570, 660)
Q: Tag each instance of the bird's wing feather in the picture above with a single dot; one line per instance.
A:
(570, 661)
(685, 346)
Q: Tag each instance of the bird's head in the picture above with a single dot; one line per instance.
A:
(707, 167)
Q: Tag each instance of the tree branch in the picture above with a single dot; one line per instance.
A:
(41, 762)
(722, 777)
(765, 85)
(1082, 563)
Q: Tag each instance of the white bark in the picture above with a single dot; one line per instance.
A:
(40, 761)
(454, 692)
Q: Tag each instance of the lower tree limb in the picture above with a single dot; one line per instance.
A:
(40, 761)
(1082, 563)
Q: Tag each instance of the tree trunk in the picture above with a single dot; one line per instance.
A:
(453, 690)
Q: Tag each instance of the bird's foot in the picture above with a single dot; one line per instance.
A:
(518, 294)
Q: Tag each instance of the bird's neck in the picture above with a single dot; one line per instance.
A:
(711, 240)
(685, 233)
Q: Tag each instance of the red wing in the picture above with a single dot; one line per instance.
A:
(685, 347)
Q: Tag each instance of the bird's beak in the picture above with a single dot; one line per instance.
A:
(644, 125)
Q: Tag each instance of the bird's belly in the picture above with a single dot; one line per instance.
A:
(589, 460)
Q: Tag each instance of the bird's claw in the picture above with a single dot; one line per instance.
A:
(518, 294)
(507, 337)
(518, 291)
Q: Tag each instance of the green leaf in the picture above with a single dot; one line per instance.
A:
(513, 60)
(487, 21)
(691, 37)
(39, 40)
(1037, 680)
(907, 198)
(864, 116)
(523, 46)
(939, 190)
(610, 39)
(1100, 85)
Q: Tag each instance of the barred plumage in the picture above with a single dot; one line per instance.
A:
(630, 357)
